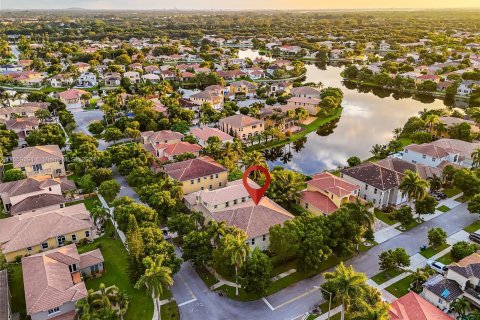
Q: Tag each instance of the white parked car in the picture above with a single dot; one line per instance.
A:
(437, 266)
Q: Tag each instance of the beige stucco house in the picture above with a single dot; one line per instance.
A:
(242, 126)
(39, 160)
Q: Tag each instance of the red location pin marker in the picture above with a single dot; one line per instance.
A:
(256, 194)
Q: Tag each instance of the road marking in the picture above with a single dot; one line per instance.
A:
(300, 316)
(296, 298)
(188, 287)
(268, 304)
(187, 302)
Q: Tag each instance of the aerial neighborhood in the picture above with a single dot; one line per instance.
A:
(125, 139)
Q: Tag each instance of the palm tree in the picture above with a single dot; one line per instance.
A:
(431, 120)
(413, 186)
(156, 277)
(100, 215)
(461, 306)
(435, 182)
(379, 311)
(217, 230)
(376, 150)
(440, 128)
(347, 284)
(476, 157)
(420, 276)
(237, 249)
(397, 132)
(104, 297)
(254, 158)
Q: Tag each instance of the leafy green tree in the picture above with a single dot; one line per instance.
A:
(136, 249)
(467, 181)
(197, 248)
(257, 272)
(112, 134)
(394, 259)
(353, 161)
(435, 183)
(181, 223)
(426, 205)
(437, 237)
(463, 249)
(285, 240)
(96, 127)
(109, 189)
(404, 216)
(474, 204)
(100, 175)
(461, 306)
(45, 135)
(104, 297)
(314, 250)
(13, 175)
(87, 184)
(285, 186)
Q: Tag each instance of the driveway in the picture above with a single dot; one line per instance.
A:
(298, 299)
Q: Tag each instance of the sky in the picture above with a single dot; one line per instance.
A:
(235, 5)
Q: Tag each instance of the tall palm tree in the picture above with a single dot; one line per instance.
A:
(440, 128)
(104, 297)
(100, 215)
(461, 306)
(156, 277)
(237, 249)
(347, 285)
(217, 230)
(476, 157)
(397, 132)
(435, 182)
(379, 311)
(413, 186)
(431, 120)
(254, 158)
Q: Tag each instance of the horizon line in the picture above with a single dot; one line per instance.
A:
(246, 9)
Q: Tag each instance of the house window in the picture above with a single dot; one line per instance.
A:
(219, 184)
(74, 237)
(215, 206)
(216, 176)
(49, 189)
(198, 179)
(29, 249)
(366, 187)
(253, 241)
(53, 311)
(205, 178)
(440, 301)
(211, 176)
(45, 245)
(192, 181)
(364, 197)
(94, 269)
(202, 188)
(87, 233)
(264, 237)
(37, 167)
(72, 268)
(434, 159)
(375, 191)
(374, 201)
(424, 156)
(235, 201)
(243, 199)
(227, 204)
(306, 205)
(61, 240)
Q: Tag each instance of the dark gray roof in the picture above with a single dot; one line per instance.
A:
(472, 270)
(444, 288)
(37, 202)
(375, 175)
(4, 296)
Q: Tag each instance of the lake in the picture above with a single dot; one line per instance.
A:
(369, 117)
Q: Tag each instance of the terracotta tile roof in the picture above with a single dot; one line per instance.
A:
(377, 176)
(26, 107)
(463, 148)
(162, 136)
(5, 310)
(22, 123)
(177, 148)
(255, 220)
(333, 184)
(205, 95)
(36, 155)
(303, 100)
(319, 201)
(233, 190)
(71, 94)
(240, 120)
(91, 258)
(28, 185)
(400, 165)
(30, 229)
(36, 202)
(48, 282)
(305, 90)
(206, 132)
(248, 84)
(413, 307)
(428, 149)
(193, 168)
(449, 121)
(468, 266)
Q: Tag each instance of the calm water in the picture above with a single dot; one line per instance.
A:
(368, 118)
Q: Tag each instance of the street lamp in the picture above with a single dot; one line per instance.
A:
(329, 301)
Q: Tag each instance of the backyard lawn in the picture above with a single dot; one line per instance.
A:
(385, 217)
(400, 288)
(16, 290)
(430, 251)
(141, 305)
(89, 202)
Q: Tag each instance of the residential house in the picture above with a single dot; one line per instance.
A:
(35, 232)
(282, 87)
(16, 192)
(399, 165)
(152, 69)
(82, 66)
(276, 116)
(413, 307)
(312, 105)
(198, 174)
(255, 220)
(161, 137)
(243, 87)
(378, 184)
(61, 80)
(242, 126)
(170, 151)
(449, 122)
(39, 160)
(112, 79)
(25, 110)
(134, 76)
(306, 92)
(153, 78)
(22, 127)
(53, 281)
(325, 193)
(202, 134)
(466, 87)
(190, 105)
(87, 80)
(207, 96)
(5, 298)
(72, 98)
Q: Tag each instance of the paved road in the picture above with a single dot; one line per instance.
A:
(297, 299)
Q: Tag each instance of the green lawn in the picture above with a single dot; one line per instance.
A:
(443, 208)
(384, 276)
(451, 192)
(405, 141)
(89, 202)
(116, 267)
(430, 251)
(16, 290)
(169, 311)
(463, 198)
(206, 276)
(446, 259)
(385, 217)
(400, 288)
(410, 226)
(473, 227)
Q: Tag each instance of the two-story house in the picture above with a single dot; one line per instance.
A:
(25, 110)
(161, 137)
(243, 87)
(242, 126)
(134, 76)
(72, 98)
(202, 134)
(378, 184)
(326, 193)
(53, 281)
(34, 232)
(306, 92)
(206, 96)
(170, 151)
(198, 174)
(87, 80)
(39, 160)
(312, 105)
(22, 127)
